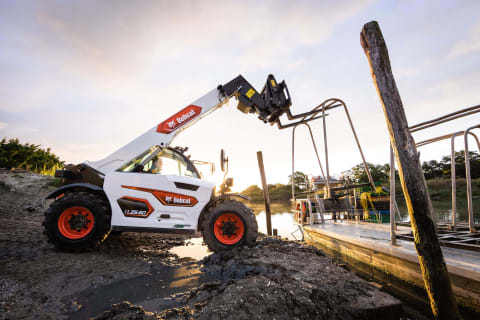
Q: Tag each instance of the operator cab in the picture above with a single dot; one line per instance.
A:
(165, 161)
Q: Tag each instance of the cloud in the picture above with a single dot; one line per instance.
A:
(3, 125)
(135, 53)
(469, 45)
(106, 71)
(110, 42)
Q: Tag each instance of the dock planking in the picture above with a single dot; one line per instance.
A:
(366, 248)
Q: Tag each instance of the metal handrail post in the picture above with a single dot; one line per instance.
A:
(453, 175)
(325, 147)
(310, 212)
(454, 179)
(471, 222)
(293, 163)
(367, 170)
(318, 157)
(293, 156)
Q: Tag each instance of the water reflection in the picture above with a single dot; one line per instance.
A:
(443, 209)
(282, 220)
(193, 248)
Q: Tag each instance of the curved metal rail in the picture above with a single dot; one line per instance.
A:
(314, 114)
(452, 137)
(448, 117)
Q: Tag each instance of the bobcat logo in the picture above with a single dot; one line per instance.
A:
(168, 199)
(179, 119)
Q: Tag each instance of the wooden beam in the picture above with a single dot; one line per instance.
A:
(266, 196)
(434, 270)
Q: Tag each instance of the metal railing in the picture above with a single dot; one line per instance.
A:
(443, 119)
(327, 105)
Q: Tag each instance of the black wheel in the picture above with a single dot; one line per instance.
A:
(77, 220)
(228, 225)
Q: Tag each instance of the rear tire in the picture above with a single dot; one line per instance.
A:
(78, 220)
(229, 224)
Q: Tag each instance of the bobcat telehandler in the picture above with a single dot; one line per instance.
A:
(149, 186)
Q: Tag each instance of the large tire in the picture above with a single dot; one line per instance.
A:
(78, 220)
(229, 224)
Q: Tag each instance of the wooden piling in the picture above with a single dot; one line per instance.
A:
(393, 237)
(266, 196)
(434, 270)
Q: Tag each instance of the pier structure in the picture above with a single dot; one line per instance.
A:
(331, 216)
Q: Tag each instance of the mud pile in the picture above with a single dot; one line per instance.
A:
(37, 280)
(274, 280)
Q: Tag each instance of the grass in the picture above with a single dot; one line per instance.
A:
(440, 191)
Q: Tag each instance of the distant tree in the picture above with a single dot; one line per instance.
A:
(300, 180)
(433, 169)
(28, 156)
(280, 192)
(254, 193)
(380, 173)
(460, 165)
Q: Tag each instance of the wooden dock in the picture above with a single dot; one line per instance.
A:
(366, 249)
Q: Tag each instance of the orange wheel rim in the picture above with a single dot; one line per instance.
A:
(229, 228)
(75, 222)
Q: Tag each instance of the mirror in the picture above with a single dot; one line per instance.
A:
(223, 160)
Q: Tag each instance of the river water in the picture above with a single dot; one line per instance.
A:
(283, 220)
(443, 209)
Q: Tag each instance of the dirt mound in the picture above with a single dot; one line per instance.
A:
(277, 280)
(38, 281)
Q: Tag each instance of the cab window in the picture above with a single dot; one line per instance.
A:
(169, 162)
(134, 164)
(161, 161)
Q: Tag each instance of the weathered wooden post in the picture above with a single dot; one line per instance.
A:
(266, 196)
(434, 270)
(393, 238)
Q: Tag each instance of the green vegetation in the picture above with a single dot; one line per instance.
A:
(28, 156)
(278, 193)
(436, 173)
(431, 169)
(442, 169)
(300, 179)
(380, 173)
(442, 188)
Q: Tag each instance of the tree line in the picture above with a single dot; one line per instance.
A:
(31, 157)
(380, 173)
(432, 169)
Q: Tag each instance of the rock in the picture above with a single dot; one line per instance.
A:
(125, 310)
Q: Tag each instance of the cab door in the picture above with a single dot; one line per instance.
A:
(161, 193)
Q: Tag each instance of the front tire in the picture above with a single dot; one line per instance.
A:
(78, 220)
(228, 225)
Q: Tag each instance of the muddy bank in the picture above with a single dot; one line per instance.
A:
(275, 279)
(37, 281)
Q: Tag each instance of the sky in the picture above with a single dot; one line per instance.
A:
(86, 77)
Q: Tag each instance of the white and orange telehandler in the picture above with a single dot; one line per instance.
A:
(149, 186)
